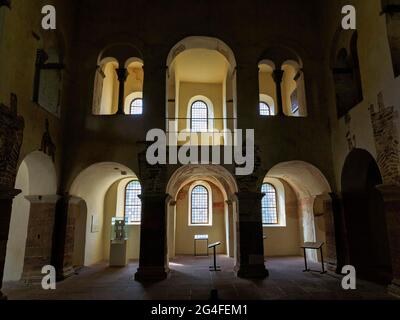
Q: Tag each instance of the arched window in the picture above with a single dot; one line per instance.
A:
(200, 205)
(133, 204)
(293, 90)
(136, 107)
(265, 110)
(199, 116)
(346, 73)
(269, 205)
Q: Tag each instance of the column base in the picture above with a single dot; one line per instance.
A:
(3, 297)
(332, 267)
(32, 279)
(151, 274)
(65, 273)
(394, 288)
(252, 272)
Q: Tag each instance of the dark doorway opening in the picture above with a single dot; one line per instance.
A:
(364, 217)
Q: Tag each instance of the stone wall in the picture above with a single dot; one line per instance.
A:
(39, 240)
(384, 122)
(11, 133)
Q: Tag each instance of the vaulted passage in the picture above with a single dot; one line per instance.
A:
(365, 217)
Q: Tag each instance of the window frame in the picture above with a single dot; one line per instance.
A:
(269, 109)
(207, 119)
(138, 222)
(276, 207)
(130, 107)
(207, 187)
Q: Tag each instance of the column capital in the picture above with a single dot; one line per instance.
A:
(154, 196)
(43, 199)
(277, 75)
(390, 193)
(6, 193)
(122, 74)
(249, 195)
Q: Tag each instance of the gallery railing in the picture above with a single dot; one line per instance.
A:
(217, 131)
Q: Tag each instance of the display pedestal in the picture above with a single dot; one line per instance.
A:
(118, 257)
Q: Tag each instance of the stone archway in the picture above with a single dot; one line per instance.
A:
(309, 184)
(209, 65)
(32, 218)
(364, 217)
(217, 176)
(91, 186)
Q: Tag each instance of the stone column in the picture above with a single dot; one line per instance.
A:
(154, 91)
(63, 240)
(153, 262)
(277, 75)
(391, 198)
(6, 199)
(250, 236)
(39, 236)
(11, 134)
(171, 221)
(230, 222)
(122, 75)
(326, 205)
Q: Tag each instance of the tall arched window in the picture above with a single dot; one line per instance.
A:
(133, 204)
(200, 205)
(199, 116)
(265, 110)
(136, 106)
(269, 204)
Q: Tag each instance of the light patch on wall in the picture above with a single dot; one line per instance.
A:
(94, 225)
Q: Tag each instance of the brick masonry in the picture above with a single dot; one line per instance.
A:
(11, 128)
(386, 141)
(39, 238)
(384, 123)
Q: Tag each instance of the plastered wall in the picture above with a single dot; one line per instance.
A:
(184, 233)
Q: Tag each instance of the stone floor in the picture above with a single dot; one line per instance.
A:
(190, 279)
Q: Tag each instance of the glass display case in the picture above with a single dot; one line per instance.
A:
(118, 243)
(119, 231)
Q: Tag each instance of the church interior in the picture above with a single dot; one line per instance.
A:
(77, 192)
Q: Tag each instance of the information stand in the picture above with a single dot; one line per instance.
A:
(200, 237)
(214, 246)
(315, 246)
